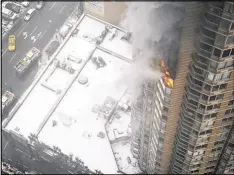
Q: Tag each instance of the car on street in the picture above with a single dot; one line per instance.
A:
(31, 12)
(64, 30)
(52, 48)
(39, 5)
(13, 7)
(11, 43)
(25, 3)
(8, 14)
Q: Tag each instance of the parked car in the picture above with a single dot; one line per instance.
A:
(11, 43)
(31, 12)
(52, 48)
(13, 7)
(8, 14)
(39, 5)
(64, 30)
(25, 3)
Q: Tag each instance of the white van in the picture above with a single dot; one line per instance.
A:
(9, 14)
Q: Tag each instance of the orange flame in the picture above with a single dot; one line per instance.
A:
(166, 74)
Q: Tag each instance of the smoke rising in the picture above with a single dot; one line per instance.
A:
(155, 29)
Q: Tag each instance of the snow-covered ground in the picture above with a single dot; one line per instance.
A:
(74, 125)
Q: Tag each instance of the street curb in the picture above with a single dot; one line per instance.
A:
(25, 95)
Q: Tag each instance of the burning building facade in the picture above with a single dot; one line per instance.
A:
(206, 112)
(184, 124)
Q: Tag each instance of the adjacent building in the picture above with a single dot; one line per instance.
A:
(185, 125)
(109, 11)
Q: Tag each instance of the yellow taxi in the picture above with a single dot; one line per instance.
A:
(11, 43)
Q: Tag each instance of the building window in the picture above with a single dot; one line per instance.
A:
(229, 64)
(228, 112)
(230, 102)
(226, 75)
(228, 119)
(232, 52)
(217, 52)
(223, 86)
(210, 76)
(228, 8)
(230, 40)
(216, 149)
(201, 146)
(206, 132)
(225, 24)
(221, 65)
(217, 77)
(226, 53)
(210, 116)
(232, 27)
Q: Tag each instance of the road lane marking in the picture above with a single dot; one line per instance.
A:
(12, 57)
(21, 31)
(5, 146)
(33, 30)
(25, 35)
(33, 38)
(52, 5)
(62, 9)
(4, 52)
(42, 34)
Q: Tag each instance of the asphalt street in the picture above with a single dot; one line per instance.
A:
(35, 33)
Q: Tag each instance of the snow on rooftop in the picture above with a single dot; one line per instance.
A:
(76, 120)
(74, 126)
(28, 118)
(120, 126)
(123, 46)
(125, 160)
(119, 132)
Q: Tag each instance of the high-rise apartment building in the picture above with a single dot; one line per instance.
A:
(186, 127)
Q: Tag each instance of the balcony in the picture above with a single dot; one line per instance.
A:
(149, 86)
(228, 16)
(190, 115)
(202, 52)
(202, 64)
(196, 74)
(193, 124)
(191, 95)
(206, 40)
(213, 10)
(209, 25)
(192, 84)
(232, 139)
(189, 105)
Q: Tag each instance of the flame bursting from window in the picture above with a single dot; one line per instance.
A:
(166, 74)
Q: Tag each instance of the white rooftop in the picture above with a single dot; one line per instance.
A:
(119, 132)
(72, 125)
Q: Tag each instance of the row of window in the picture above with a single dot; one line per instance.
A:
(208, 87)
(218, 22)
(218, 77)
(218, 53)
(230, 102)
(229, 111)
